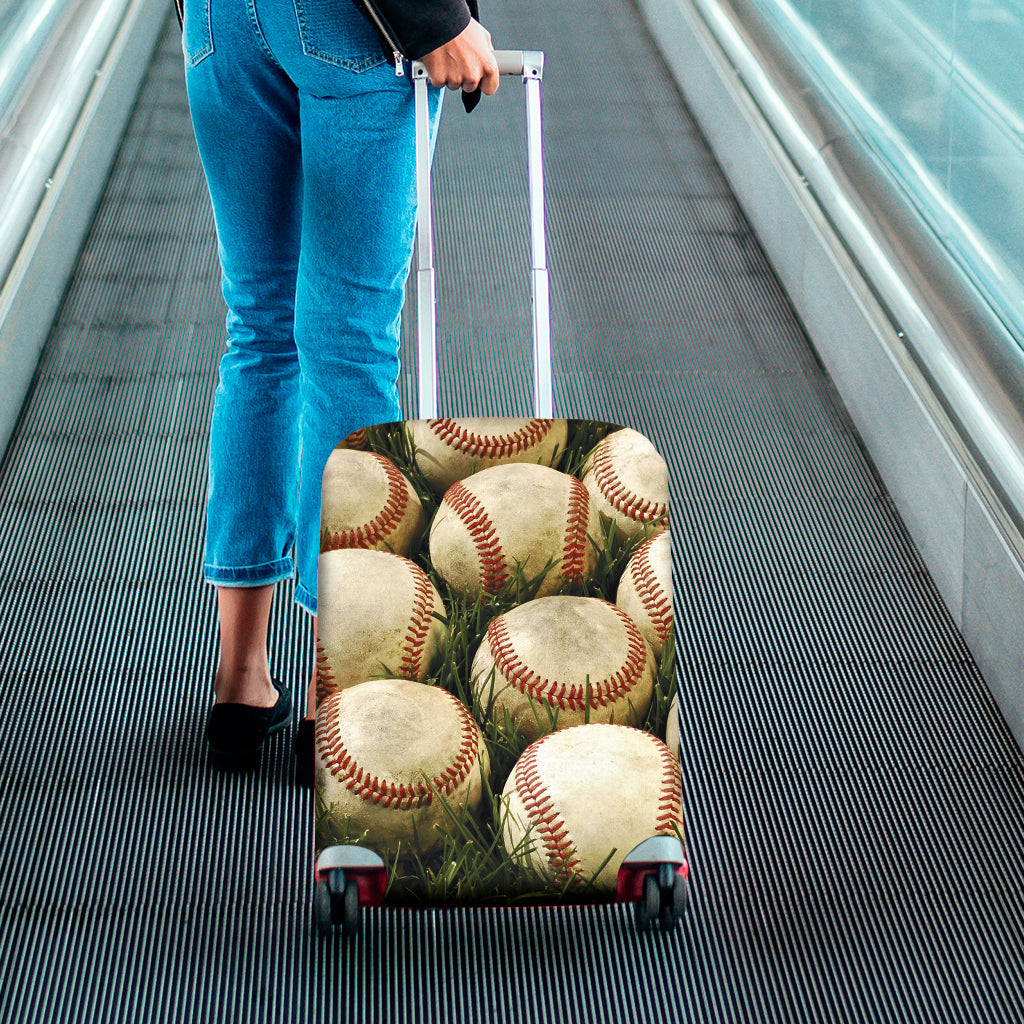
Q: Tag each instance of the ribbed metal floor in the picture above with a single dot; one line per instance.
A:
(855, 803)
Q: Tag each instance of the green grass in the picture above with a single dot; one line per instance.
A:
(470, 864)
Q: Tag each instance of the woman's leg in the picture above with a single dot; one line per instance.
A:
(245, 115)
(243, 675)
(359, 203)
(358, 227)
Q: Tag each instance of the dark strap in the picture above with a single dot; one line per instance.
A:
(471, 99)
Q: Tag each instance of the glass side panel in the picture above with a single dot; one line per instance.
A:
(936, 87)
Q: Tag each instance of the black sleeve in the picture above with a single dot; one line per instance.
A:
(425, 24)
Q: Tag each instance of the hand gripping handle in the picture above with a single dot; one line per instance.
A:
(529, 64)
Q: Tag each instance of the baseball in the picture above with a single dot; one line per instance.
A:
(451, 449)
(628, 481)
(385, 749)
(545, 661)
(581, 796)
(357, 439)
(366, 502)
(672, 726)
(509, 516)
(645, 590)
(376, 616)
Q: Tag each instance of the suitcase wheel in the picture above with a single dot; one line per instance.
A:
(348, 910)
(346, 878)
(322, 909)
(674, 902)
(664, 897)
(655, 877)
(336, 902)
(649, 904)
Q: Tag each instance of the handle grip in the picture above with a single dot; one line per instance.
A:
(528, 63)
(525, 63)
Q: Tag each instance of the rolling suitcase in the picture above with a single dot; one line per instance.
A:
(495, 660)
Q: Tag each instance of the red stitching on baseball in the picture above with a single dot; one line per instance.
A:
(618, 494)
(324, 675)
(670, 804)
(402, 796)
(656, 602)
(368, 534)
(490, 446)
(574, 549)
(419, 625)
(540, 808)
(571, 698)
(473, 515)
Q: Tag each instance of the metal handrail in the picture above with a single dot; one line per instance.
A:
(27, 27)
(46, 88)
(972, 361)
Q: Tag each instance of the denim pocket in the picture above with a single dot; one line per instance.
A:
(336, 33)
(196, 36)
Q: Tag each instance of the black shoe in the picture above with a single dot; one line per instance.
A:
(304, 752)
(236, 731)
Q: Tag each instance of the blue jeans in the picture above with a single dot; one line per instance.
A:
(306, 137)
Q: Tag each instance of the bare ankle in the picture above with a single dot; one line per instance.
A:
(245, 686)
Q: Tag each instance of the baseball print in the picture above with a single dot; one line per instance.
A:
(495, 638)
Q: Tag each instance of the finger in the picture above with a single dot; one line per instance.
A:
(491, 79)
(434, 70)
(451, 77)
(473, 74)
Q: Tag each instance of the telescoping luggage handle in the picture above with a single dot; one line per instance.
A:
(530, 65)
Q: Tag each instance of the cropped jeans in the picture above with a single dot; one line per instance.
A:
(306, 138)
